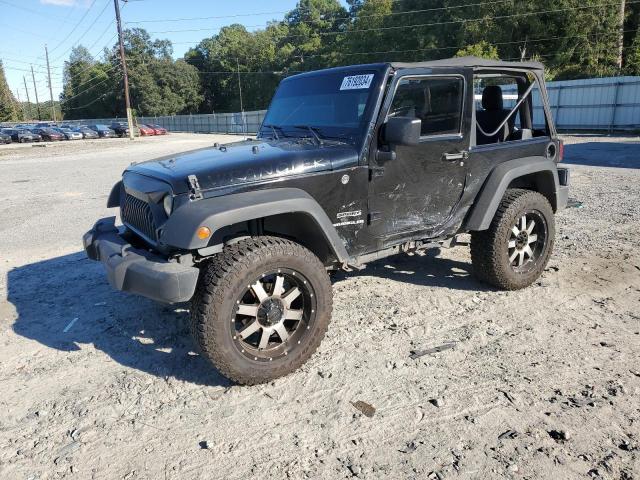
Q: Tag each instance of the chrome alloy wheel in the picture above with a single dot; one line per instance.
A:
(527, 240)
(273, 314)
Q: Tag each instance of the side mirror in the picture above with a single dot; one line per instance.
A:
(402, 131)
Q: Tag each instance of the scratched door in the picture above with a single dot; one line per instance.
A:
(417, 191)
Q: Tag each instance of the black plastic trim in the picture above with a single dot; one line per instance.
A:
(138, 271)
(488, 200)
(218, 212)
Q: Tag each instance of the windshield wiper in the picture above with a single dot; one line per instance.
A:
(275, 129)
(313, 131)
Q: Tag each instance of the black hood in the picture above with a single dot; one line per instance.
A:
(247, 162)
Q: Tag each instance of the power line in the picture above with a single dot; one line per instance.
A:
(87, 104)
(98, 39)
(450, 47)
(66, 100)
(280, 12)
(85, 32)
(400, 27)
(75, 27)
(103, 33)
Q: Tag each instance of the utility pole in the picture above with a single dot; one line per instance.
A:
(124, 70)
(24, 111)
(621, 34)
(36, 90)
(53, 105)
(27, 91)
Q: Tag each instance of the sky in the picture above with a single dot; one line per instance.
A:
(27, 25)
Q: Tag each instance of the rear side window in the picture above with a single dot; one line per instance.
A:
(436, 101)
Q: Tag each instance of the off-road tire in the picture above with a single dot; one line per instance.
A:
(224, 277)
(489, 247)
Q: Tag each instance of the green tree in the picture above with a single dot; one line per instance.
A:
(8, 104)
(88, 88)
(482, 49)
(255, 55)
(632, 65)
(310, 41)
(158, 84)
(363, 39)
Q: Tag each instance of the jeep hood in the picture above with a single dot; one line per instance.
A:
(247, 162)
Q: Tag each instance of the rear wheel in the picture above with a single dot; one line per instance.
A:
(515, 249)
(261, 309)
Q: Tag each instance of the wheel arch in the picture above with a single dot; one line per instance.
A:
(287, 212)
(533, 173)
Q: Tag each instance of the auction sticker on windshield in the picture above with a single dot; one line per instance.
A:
(356, 82)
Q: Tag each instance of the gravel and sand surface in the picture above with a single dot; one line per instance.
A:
(541, 383)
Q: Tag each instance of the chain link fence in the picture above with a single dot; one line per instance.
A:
(593, 104)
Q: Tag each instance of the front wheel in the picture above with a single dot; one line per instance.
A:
(515, 249)
(261, 309)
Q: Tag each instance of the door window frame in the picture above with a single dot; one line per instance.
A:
(439, 136)
(474, 147)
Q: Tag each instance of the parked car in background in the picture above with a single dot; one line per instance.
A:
(122, 129)
(103, 131)
(36, 136)
(48, 134)
(5, 138)
(146, 130)
(158, 129)
(19, 135)
(86, 132)
(69, 134)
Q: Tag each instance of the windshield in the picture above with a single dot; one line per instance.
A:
(335, 104)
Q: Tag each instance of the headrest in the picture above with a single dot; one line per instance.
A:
(492, 98)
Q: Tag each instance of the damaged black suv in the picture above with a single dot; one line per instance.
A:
(350, 165)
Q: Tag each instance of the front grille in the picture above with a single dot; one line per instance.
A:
(137, 214)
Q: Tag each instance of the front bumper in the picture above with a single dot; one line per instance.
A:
(136, 270)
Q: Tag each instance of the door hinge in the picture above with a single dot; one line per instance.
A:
(373, 216)
(194, 188)
(453, 157)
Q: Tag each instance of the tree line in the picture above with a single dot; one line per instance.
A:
(574, 39)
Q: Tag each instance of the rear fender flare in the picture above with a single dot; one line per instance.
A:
(503, 175)
(218, 212)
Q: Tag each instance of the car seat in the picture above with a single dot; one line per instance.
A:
(492, 115)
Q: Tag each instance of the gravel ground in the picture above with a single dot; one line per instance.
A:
(540, 383)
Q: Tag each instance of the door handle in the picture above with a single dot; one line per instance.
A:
(454, 157)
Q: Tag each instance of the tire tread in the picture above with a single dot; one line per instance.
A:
(218, 277)
(486, 244)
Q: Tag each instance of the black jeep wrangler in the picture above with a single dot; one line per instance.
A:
(350, 165)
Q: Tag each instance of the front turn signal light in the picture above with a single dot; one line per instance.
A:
(203, 233)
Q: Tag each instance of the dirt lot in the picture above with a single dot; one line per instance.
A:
(541, 383)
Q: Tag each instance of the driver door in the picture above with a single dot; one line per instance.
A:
(415, 189)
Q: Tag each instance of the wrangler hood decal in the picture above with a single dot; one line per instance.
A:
(246, 162)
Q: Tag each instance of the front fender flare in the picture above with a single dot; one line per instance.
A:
(490, 196)
(217, 212)
(114, 196)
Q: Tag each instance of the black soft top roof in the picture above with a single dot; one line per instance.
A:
(473, 62)
(460, 62)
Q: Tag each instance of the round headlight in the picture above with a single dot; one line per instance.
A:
(167, 203)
